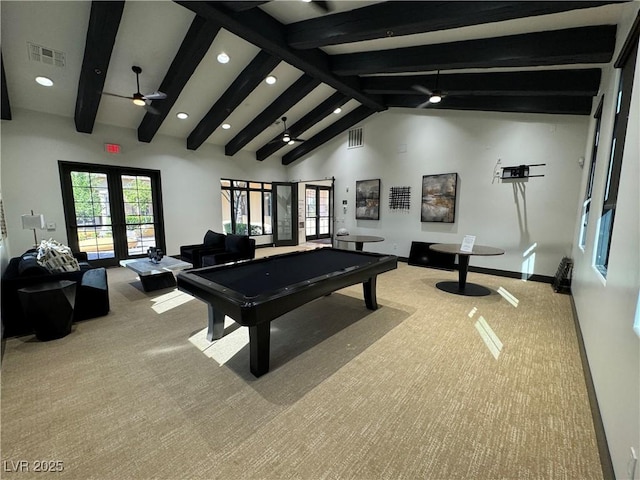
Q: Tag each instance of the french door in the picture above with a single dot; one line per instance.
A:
(317, 212)
(111, 213)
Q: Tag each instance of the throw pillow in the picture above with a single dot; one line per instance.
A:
(237, 243)
(56, 257)
(213, 239)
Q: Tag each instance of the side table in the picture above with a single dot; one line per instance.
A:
(48, 307)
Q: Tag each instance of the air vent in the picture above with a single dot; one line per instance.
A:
(49, 56)
(355, 138)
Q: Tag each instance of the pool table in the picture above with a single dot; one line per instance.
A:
(254, 292)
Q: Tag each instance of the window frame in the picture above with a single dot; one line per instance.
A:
(627, 63)
(235, 185)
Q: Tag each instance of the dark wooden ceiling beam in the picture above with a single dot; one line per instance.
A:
(5, 106)
(323, 110)
(240, 5)
(558, 47)
(265, 32)
(292, 95)
(104, 21)
(565, 105)
(333, 130)
(397, 18)
(242, 86)
(579, 82)
(194, 47)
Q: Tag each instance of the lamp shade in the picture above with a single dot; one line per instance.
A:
(33, 222)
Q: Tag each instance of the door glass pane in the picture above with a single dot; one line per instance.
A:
(284, 198)
(92, 214)
(323, 210)
(138, 210)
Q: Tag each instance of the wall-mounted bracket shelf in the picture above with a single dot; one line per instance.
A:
(519, 172)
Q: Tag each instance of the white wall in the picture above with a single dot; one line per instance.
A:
(32, 144)
(606, 309)
(512, 216)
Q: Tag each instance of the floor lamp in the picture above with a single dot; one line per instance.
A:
(33, 222)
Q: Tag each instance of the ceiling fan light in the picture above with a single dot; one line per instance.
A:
(435, 98)
(139, 102)
(44, 81)
(286, 138)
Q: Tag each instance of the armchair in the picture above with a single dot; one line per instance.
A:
(213, 243)
(237, 247)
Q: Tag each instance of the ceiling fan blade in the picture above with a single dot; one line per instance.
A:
(155, 96)
(422, 89)
(325, 6)
(424, 104)
(116, 95)
(151, 110)
(298, 140)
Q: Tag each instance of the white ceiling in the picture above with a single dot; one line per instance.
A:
(149, 36)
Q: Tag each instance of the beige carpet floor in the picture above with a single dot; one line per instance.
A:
(429, 386)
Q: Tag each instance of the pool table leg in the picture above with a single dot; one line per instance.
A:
(259, 339)
(369, 289)
(216, 324)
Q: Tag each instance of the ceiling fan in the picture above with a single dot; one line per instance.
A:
(435, 96)
(140, 99)
(322, 5)
(286, 135)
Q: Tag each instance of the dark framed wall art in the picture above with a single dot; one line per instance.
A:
(439, 198)
(368, 199)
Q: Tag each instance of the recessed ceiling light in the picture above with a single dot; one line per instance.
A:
(223, 58)
(44, 81)
(182, 115)
(290, 142)
(226, 126)
(306, 1)
(337, 110)
(271, 79)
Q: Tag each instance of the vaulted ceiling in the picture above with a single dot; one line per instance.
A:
(360, 56)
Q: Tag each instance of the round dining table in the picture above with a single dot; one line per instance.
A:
(461, 287)
(359, 240)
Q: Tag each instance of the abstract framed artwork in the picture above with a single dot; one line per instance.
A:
(368, 199)
(439, 198)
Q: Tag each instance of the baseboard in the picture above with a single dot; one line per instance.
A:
(608, 472)
(509, 274)
(498, 273)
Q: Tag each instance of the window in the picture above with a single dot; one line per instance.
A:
(246, 207)
(627, 63)
(586, 206)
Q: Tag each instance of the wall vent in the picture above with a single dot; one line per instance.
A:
(38, 53)
(355, 138)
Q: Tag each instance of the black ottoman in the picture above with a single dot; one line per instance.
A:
(93, 295)
(48, 307)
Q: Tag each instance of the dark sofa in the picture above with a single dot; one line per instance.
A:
(92, 290)
(218, 248)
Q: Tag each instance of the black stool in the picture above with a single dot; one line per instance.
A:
(49, 308)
